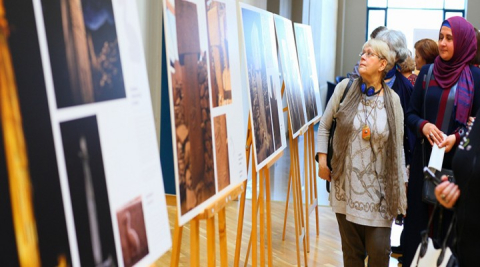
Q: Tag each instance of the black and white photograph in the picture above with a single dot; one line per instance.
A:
(88, 192)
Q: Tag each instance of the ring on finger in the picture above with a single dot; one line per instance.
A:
(442, 196)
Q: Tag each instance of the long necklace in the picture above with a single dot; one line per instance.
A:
(366, 133)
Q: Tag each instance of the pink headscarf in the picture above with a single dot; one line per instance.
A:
(447, 73)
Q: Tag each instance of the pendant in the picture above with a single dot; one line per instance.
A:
(366, 133)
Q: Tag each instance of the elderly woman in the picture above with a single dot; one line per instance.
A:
(368, 177)
(396, 80)
(444, 108)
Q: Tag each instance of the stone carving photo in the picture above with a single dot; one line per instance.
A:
(84, 53)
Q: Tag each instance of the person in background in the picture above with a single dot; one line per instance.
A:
(464, 196)
(354, 74)
(476, 60)
(426, 50)
(407, 68)
(457, 46)
(402, 86)
(368, 177)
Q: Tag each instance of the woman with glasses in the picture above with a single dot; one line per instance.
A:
(368, 187)
(442, 108)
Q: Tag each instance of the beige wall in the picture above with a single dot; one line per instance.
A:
(473, 10)
(351, 28)
(150, 16)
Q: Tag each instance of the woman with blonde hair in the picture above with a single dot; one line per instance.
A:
(368, 167)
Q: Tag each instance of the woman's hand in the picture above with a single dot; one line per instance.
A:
(447, 193)
(323, 170)
(433, 134)
(448, 143)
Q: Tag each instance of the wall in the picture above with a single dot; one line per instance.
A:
(473, 8)
(351, 30)
(151, 25)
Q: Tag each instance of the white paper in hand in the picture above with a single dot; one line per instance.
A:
(436, 158)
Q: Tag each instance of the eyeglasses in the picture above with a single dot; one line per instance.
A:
(369, 54)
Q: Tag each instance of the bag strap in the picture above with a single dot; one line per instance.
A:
(350, 81)
(427, 83)
(341, 100)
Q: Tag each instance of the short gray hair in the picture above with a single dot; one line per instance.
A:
(397, 42)
(381, 48)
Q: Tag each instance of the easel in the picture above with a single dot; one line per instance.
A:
(261, 203)
(208, 214)
(311, 193)
(311, 198)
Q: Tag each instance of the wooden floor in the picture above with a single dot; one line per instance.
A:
(325, 250)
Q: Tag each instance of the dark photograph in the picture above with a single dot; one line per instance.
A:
(31, 204)
(191, 106)
(262, 111)
(84, 54)
(88, 192)
(293, 86)
(133, 234)
(305, 59)
(218, 48)
(221, 152)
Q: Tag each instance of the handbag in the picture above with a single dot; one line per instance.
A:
(428, 190)
(429, 256)
(330, 136)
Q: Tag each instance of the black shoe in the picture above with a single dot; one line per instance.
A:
(400, 259)
(397, 250)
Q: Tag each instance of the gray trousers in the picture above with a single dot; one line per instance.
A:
(358, 241)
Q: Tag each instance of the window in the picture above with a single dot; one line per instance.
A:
(403, 15)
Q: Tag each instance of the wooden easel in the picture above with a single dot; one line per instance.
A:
(208, 214)
(311, 198)
(263, 203)
(311, 193)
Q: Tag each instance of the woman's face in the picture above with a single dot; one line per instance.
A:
(419, 60)
(445, 43)
(370, 62)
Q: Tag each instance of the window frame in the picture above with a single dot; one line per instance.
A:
(385, 10)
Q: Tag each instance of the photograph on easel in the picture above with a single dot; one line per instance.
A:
(221, 149)
(133, 234)
(263, 84)
(218, 49)
(208, 132)
(33, 227)
(84, 53)
(88, 192)
(291, 74)
(308, 71)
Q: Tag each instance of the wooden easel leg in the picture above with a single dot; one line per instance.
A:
(177, 241)
(262, 217)
(314, 174)
(249, 247)
(269, 217)
(293, 166)
(211, 241)
(194, 243)
(254, 214)
(222, 233)
(241, 213)
(307, 189)
(287, 201)
(299, 205)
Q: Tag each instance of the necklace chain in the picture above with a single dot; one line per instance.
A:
(373, 107)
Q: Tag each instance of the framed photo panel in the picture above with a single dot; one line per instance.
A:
(205, 96)
(308, 71)
(264, 89)
(81, 112)
(291, 74)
